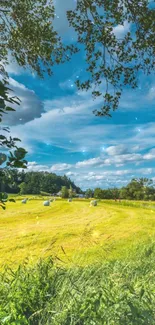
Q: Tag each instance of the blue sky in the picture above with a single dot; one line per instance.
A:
(60, 132)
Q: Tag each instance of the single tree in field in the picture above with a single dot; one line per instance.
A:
(71, 192)
(64, 192)
(23, 188)
(89, 193)
(98, 193)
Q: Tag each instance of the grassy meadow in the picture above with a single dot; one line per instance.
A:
(73, 232)
(72, 264)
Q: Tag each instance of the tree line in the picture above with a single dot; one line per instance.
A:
(137, 189)
(23, 182)
(15, 182)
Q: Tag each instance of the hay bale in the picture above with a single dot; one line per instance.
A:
(46, 203)
(69, 200)
(93, 203)
(24, 201)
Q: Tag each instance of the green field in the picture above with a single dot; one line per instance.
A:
(82, 265)
(74, 232)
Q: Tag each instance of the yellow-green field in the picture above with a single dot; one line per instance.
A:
(73, 232)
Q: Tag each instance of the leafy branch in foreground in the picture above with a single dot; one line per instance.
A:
(114, 61)
(4, 199)
(28, 36)
(16, 155)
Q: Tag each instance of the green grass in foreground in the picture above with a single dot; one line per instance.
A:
(111, 293)
(86, 234)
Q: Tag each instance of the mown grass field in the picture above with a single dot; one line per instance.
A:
(74, 232)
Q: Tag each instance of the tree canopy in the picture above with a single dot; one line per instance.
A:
(28, 34)
(113, 61)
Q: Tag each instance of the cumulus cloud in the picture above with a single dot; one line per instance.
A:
(60, 167)
(13, 67)
(107, 174)
(33, 166)
(31, 106)
(115, 160)
(89, 162)
(69, 174)
(150, 155)
(124, 159)
(117, 150)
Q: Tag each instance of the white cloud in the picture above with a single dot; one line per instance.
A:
(33, 166)
(115, 160)
(121, 30)
(124, 159)
(60, 167)
(69, 174)
(107, 174)
(13, 67)
(117, 150)
(150, 155)
(89, 162)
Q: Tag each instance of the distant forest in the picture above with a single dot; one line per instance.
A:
(34, 182)
(23, 182)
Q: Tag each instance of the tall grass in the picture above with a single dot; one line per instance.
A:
(135, 204)
(110, 293)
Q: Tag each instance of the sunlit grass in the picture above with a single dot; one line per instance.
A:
(73, 232)
(109, 293)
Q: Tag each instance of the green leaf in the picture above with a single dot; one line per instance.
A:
(3, 158)
(8, 108)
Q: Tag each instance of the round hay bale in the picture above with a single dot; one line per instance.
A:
(46, 203)
(93, 203)
(24, 201)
